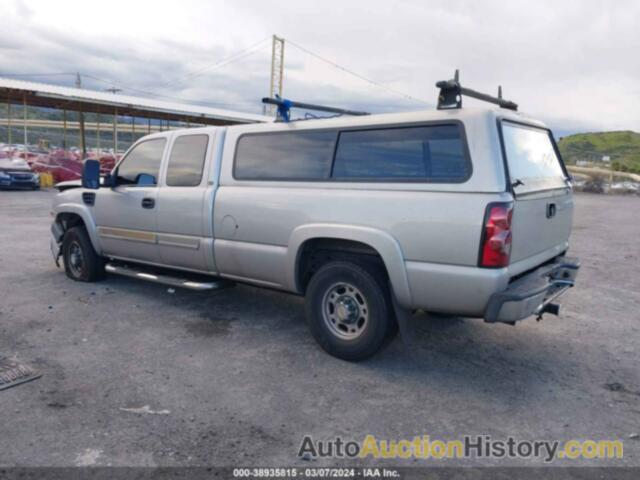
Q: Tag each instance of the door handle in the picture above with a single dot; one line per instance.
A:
(148, 203)
(551, 210)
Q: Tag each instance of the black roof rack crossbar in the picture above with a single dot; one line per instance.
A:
(284, 108)
(451, 93)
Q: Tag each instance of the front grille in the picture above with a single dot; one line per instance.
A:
(21, 176)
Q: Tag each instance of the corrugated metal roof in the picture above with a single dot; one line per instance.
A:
(47, 95)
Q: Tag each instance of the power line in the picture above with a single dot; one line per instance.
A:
(121, 86)
(39, 74)
(221, 63)
(244, 53)
(250, 50)
(357, 75)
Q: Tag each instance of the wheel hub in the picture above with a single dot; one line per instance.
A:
(347, 309)
(76, 259)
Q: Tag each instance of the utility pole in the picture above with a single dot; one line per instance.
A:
(277, 72)
(83, 143)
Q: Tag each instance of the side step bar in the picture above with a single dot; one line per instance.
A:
(165, 279)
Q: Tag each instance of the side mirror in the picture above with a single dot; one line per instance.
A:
(91, 174)
(145, 180)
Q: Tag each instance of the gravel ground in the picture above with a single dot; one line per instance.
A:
(136, 375)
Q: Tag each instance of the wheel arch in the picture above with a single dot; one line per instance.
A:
(365, 239)
(68, 216)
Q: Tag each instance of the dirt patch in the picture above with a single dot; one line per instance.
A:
(210, 326)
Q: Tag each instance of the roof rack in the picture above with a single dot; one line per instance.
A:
(451, 95)
(284, 108)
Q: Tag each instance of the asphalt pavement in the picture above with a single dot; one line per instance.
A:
(136, 375)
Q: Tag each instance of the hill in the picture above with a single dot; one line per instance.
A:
(622, 147)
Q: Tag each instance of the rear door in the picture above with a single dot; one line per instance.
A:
(543, 207)
(184, 202)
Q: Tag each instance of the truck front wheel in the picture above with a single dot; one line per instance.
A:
(349, 309)
(81, 262)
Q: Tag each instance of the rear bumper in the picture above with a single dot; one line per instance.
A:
(533, 293)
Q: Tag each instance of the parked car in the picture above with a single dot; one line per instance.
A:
(16, 173)
(463, 212)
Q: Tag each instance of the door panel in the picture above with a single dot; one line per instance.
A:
(183, 217)
(126, 214)
(180, 227)
(126, 228)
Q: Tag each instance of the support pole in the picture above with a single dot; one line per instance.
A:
(9, 119)
(115, 132)
(277, 72)
(133, 129)
(64, 129)
(24, 108)
(83, 142)
(98, 132)
(149, 125)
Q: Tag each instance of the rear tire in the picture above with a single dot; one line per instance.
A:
(81, 262)
(349, 309)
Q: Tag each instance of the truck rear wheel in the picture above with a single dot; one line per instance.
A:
(81, 262)
(349, 309)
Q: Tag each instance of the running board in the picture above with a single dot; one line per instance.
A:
(178, 282)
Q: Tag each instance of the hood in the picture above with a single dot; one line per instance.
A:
(66, 185)
(14, 164)
(62, 186)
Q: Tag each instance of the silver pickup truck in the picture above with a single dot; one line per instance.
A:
(464, 212)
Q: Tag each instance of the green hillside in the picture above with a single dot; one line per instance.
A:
(622, 147)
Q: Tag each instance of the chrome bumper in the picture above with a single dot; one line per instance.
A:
(534, 293)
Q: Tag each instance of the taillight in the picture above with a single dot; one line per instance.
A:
(496, 236)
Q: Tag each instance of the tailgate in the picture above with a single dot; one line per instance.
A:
(543, 201)
(541, 224)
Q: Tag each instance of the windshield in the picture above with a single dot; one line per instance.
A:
(532, 158)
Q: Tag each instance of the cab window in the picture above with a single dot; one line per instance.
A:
(187, 161)
(141, 166)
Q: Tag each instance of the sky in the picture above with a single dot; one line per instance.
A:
(573, 64)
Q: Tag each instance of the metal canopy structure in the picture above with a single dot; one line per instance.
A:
(92, 101)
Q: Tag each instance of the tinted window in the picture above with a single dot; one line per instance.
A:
(531, 157)
(431, 153)
(141, 166)
(187, 160)
(277, 156)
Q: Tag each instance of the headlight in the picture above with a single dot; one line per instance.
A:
(36, 177)
(4, 176)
